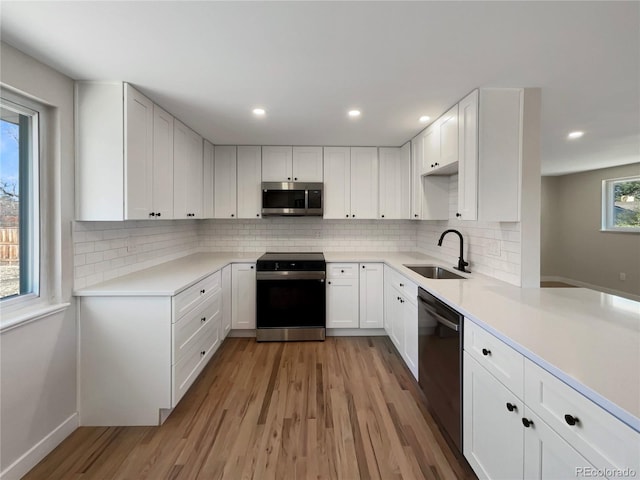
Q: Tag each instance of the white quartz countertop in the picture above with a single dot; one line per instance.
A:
(590, 340)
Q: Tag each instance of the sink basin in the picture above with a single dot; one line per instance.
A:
(431, 271)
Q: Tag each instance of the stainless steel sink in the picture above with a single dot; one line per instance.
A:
(432, 271)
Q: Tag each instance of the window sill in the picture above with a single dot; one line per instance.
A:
(620, 230)
(29, 315)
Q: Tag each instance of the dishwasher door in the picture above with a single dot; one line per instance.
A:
(440, 362)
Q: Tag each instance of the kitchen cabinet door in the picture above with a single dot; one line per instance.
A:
(307, 164)
(364, 182)
(208, 184)
(417, 193)
(371, 295)
(162, 164)
(468, 153)
(138, 158)
(277, 164)
(187, 172)
(410, 330)
(397, 321)
(243, 296)
(431, 148)
(395, 182)
(390, 303)
(249, 182)
(342, 303)
(449, 137)
(493, 438)
(225, 182)
(226, 301)
(337, 182)
(547, 455)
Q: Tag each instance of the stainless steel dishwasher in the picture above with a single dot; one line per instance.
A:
(440, 362)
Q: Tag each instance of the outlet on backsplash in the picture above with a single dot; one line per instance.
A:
(493, 248)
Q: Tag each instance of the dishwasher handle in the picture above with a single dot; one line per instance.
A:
(439, 318)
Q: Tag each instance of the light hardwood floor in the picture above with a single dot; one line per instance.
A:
(346, 408)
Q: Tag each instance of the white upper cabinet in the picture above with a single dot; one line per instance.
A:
(225, 205)
(364, 182)
(249, 179)
(187, 172)
(307, 164)
(441, 144)
(208, 171)
(162, 205)
(468, 157)
(337, 182)
(277, 164)
(395, 182)
(292, 164)
(416, 177)
(138, 154)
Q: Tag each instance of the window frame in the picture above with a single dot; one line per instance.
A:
(38, 296)
(608, 203)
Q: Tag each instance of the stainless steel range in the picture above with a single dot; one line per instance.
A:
(290, 297)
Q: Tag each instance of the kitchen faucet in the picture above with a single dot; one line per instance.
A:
(461, 262)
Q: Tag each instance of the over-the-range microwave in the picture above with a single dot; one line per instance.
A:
(291, 199)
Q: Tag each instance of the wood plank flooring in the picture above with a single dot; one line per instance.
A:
(346, 408)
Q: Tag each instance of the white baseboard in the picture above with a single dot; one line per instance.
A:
(30, 459)
(578, 283)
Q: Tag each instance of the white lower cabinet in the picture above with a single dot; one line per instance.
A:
(243, 296)
(140, 354)
(226, 301)
(342, 295)
(371, 295)
(546, 430)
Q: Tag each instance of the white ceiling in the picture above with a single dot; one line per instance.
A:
(307, 63)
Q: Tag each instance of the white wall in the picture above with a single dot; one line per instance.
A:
(491, 248)
(574, 249)
(38, 382)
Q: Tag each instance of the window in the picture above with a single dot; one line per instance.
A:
(19, 200)
(621, 204)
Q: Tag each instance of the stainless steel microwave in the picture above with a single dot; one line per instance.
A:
(291, 199)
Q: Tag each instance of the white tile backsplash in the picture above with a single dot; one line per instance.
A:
(106, 250)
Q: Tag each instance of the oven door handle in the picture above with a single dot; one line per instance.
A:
(290, 275)
(439, 318)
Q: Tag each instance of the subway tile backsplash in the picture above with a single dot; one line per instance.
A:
(106, 250)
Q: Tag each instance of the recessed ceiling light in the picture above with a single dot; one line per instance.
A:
(574, 135)
(424, 119)
(259, 112)
(354, 113)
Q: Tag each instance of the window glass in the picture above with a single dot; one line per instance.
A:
(18, 201)
(621, 204)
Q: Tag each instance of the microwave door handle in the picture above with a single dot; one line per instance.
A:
(306, 199)
(439, 318)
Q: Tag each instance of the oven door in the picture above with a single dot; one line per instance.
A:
(290, 299)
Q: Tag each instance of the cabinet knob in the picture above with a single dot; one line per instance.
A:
(486, 352)
(362, 266)
(571, 420)
(527, 423)
(415, 215)
(432, 165)
(341, 271)
(347, 215)
(203, 353)
(353, 216)
(232, 215)
(511, 407)
(202, 291)
(398, 298)
(158, 214)
(402, 284)
(203, 319)
(251, 267)
(257, 215)
(295, 178)
(402, 300)
(382, 216)
(437, 164)
(288, 178)
(329, 282)
(152, 214)
(458, 214)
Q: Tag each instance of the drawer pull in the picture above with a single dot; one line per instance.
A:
(203, 319)
(571, 420)
(511, 407)
(202, 291)
(486, 352)
(527, 423)
(203, 353)
(402, 284)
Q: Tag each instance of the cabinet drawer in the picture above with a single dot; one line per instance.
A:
(502, 361)
(194, 295)
(601, 438)
(194, 360)
(407, 288)
(342, 270)
(190, 328)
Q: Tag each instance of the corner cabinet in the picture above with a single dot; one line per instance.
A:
(140, 354)
(519, 421)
